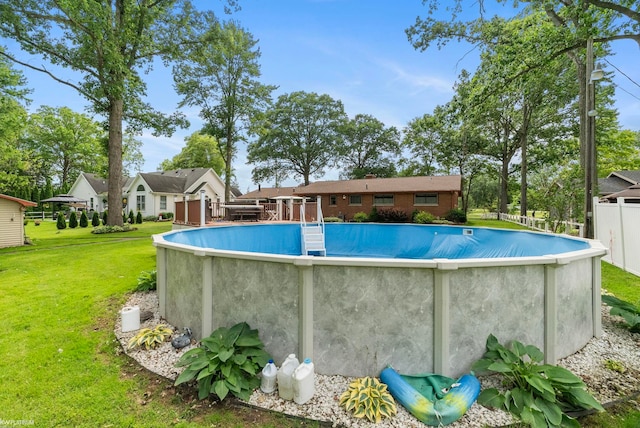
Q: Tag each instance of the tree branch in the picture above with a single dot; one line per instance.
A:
(54, 77)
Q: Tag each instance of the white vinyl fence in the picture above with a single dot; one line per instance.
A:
(617, 226)
(543, 225)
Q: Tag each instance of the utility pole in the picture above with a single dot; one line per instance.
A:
(590, 176)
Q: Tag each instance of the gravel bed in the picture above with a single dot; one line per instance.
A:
(616, 345)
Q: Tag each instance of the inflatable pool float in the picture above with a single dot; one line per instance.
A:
(435, 400)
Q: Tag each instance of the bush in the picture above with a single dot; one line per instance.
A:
(61, 223)
(84, 220)
(392, 215)
(147, 280)
(139, 218)
(229, 360)
(360, 217)
(150, 338)
(113, 229)
(540, 394)
(166, 215)
(131, 218)
(456, 215)
(333, 220)
(104, 218)
(73, 220)
(626, 310)
(95, 219)
(373, 215)
(368, 397)
(423, 217)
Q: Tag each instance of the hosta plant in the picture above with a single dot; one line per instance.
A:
(150, 337)
(626, 310)
(539, 395)
(229, 360)
(147, 280)
(368, 397)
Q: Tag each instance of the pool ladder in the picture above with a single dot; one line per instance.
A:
(312, 235)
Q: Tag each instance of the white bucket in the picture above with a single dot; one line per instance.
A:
(130, 318)
(303, 387)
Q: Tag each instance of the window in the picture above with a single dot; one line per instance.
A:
(333, 200)
(425, 199)
(355, 199)
(140, 188)
(163, 202)
(140, 202)
(383, 200)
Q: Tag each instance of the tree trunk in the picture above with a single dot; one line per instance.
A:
(228, 161)
(504, 186)
(114, 216)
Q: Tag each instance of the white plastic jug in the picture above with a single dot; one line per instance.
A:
(303, 377)
(268, 382)
(285, 380)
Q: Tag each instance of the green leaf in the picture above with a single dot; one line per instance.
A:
(482, 365)
(584, 399)
(185, 376)
(569, 422)
(225, 354)
(500, 367)
(561, 375)
(204, 387)
(534, 353)
(551, 411)
(253, 340)
(220, 389)
(491, 398)
(518, 348)
(492, 343)
(533, 417)
(539, 383)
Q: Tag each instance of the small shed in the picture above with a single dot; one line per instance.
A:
(12, 220)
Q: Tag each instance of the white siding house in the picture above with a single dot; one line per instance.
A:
(151, 193)
(91, 188)
(157, 192)
(12, 220)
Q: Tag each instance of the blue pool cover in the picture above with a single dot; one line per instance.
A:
(404, 241)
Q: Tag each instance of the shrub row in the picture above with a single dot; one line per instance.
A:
(394, 215)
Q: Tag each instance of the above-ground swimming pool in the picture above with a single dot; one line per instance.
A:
(421, 298)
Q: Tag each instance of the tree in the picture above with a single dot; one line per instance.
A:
(299, 136)
(63, 144)
(95, 219)
(84, 220)
(73, 220)
(221, 78)
(109, 45)
(369, 148)
(201, 151)
(61, 223)
(423, 137)
(13, 162)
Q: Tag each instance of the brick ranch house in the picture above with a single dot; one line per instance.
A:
(344, 198)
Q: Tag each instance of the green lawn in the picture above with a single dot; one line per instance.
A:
(60, 364)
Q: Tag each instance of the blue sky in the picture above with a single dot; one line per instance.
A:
(354, 50)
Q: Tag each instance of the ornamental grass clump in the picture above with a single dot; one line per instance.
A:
(539, 395)
(229, 360)
(368, 397)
